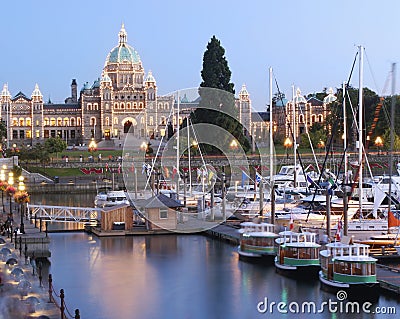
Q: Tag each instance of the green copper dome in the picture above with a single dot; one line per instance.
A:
(123, 52)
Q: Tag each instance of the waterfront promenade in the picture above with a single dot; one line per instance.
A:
(24, 290)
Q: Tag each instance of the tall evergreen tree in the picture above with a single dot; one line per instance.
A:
(217, 105)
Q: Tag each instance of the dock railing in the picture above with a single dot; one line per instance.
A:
(59, 301)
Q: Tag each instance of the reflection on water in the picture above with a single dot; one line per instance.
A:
(173, 276)
(64, 199)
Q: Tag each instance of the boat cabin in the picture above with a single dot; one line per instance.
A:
(258, 238)
(348, 263)
(298, 249)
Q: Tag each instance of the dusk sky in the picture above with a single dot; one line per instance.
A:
(309, 44)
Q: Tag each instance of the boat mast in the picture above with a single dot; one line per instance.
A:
(360, 127)
(346, 177)
(294, 139)
(189, 155)
(271, 151)
(177, 145)
(393, 104)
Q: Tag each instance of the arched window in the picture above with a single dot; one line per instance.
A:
(52, 121)
(72, 121)
(162, 120)
(301, 118)
(142, 120)
(165, 106)
(46, 121)
(66, 121)
(151, 122)
(21, 122)
(59, 121)
(313, 118)
(128, 105)
(115, 105)
(92, 121)
(134, 105)
(78, 121)
(15, 121)
(28, 121)
(140, 105)
(115, 120)
(89, 106)
(122, 106)
(160, 105)
(95, 107)
(107, 106)
(320, 118)
(107, 121)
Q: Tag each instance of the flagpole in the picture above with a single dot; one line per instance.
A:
(271, 151)
(177, 146)
(136, 188)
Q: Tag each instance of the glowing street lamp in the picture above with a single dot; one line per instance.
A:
(321, 144)
(287, 144)
(234, 145)
(10, 188)
(143, 146)
(92, 146)
(379, 143)
(3, 183)
(21, 189)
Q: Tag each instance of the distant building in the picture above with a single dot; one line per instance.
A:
(124, 98)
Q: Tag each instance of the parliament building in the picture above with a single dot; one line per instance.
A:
(124, 98)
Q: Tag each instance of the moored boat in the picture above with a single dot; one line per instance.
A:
(349, 267)
(297, 254)
(257, 242)
(111, 198)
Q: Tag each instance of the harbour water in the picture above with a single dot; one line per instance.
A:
(184, 276)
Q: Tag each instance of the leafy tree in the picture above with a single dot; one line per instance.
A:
(386, 141)
(3, 130)
(217, 107)
(55, 145)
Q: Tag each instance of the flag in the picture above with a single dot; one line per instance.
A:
(309, 179)
(338, 230)
(393, 219)
(166, 172)
(245, 177)
(258, 177)
(291, 223)
(210, 176)
(144, 168)
(174, 171)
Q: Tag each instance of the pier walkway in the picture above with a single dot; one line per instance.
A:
(389, 278)
(64, 213)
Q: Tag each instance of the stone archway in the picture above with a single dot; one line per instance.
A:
(129, 125)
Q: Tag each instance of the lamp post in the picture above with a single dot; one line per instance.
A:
(21, 189)
(10, 188)
(321, 145)
(3, 183)
(233, 145)
(92, 147)
(379, 143)
(287, 144)
(143, 147)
